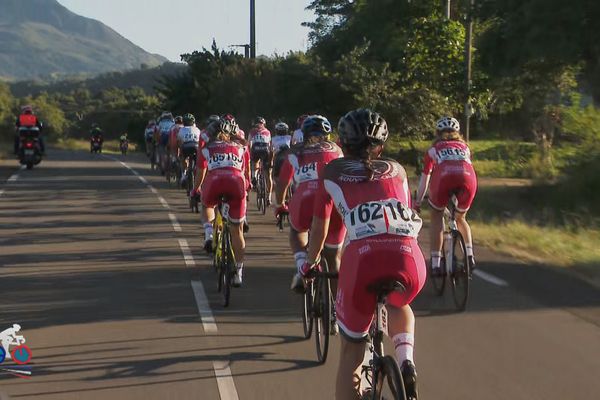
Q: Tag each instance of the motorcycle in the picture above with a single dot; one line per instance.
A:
(124, 146)
(30, 152)
(96, 145)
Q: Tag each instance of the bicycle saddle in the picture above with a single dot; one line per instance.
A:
(386, 286)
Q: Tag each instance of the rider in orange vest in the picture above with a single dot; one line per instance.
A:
(28, 119)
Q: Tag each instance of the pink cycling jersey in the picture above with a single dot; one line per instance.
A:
(259, 137)
(226, 163)
(449, 163)
(382, 237)
(304, 164)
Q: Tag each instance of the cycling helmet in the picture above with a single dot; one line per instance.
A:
(281, 128)
(301, 119)
(188, 119)
(221, 126)
(231, 119)
(166, 115)
(448, 123)
(179, 119)
(361, 127)
(212, 119)
(27, 109)
(316, 125)
(258, 121)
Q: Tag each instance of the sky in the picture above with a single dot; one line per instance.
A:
(171, 28)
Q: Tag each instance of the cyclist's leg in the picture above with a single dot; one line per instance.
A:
(465, 197)
(347, 385)
(300, 217)
(439, 194)
(267, 171)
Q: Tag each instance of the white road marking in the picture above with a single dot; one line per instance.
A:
(490, 278)
(1, 192)
(174, 222)
(165, 205)
(153, 189)
(187, 254)
(208, 319)
(13, 178)
(144, 181)
(227, 389)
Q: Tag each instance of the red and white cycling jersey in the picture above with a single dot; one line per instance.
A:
(220, 155)
(449, 163)
(173, 133)
(368, 207)
(260, 137)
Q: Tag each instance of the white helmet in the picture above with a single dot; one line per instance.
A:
(448, 123)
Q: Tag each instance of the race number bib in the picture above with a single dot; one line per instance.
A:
(260, 139)
(453, 154)
(224, 161)
(306, 173)
(378, 217)
(190, 136)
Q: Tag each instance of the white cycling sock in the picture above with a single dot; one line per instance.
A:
(469, 250)
(435, 259)
(404, 344)
(300, 258)
(239, 266)
(208, 231)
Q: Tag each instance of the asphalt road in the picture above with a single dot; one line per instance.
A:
(103, 270)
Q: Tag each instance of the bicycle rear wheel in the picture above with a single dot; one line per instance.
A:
(438, 282)
(307, 313)
(387, 380)
(228, 267)
(264, 193)
(460, 272)
(322, 316)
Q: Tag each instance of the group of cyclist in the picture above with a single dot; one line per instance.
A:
(349, 204)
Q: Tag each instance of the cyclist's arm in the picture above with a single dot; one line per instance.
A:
(246, 163)
(283, 182)
(201, 169)
(320, 223)
(425, 177)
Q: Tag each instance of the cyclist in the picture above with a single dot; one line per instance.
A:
(188, 139)
(297, 136)
(448, 167)
(260, 142)
(161, 136)
(279, 144)
(204, 136)
(222, 172)
(149, 136)
(173, 149)
(96, 136)
(372, 196)
(304, 164)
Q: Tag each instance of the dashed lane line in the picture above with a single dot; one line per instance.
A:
(206, 315)
(225, 381)
(187, 253)
(13, 178)
(490, 278)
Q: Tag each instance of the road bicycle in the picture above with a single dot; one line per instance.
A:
(223, 256)
(173, 171)
(190, 178)
(261, 190)
(454, 263)
(318, 308)
(281, 219)
(382, 375)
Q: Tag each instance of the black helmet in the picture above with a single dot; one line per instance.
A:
(189, 119)
(258, 121)
(179, 119)
(281, 128)
(362, 127)
(316, 125)
(212, 119)
(221, 126)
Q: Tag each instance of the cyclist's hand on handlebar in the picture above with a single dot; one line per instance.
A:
(280, 209)
(307, 268)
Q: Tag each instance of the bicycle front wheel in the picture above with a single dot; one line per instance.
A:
(322, 317)
(228, 268)
(460, 272)
(307, 315)
(387, 380)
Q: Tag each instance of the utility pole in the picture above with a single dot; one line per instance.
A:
(246, 49)
(447, 8)
(252, 28)
(468, 60)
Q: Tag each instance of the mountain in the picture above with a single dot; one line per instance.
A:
(41, 38)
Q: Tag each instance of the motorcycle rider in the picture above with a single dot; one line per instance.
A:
(28, 119)
(96, 134)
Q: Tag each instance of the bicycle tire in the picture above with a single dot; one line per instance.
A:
(226, 268)
(439, 282)
(387, 380)
(460, 278)
(322, 316)
(307, 316)
(264, 194)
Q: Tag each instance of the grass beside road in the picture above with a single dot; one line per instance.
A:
(109, 146)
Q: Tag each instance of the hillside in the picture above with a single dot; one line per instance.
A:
(41, 38)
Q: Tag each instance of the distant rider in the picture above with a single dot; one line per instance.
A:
(28, 119)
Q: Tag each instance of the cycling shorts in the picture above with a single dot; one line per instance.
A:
(278, 161)
(462, 181)
(261, 153)
(164, 140)
(301, 215)
(366, 262)
(223, 182)
(189, 150)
